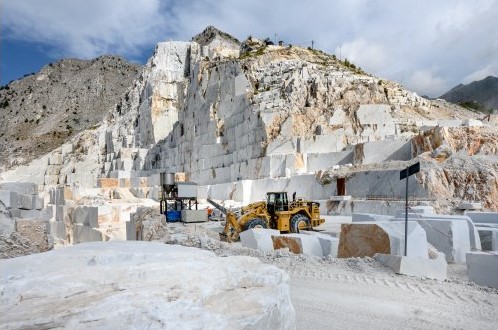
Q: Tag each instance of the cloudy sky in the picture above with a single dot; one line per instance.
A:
(428, 46)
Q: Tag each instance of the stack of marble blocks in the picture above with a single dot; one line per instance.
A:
(26, 208)
(76, 223)
(140, 187)
(57, 172)
(23, 201)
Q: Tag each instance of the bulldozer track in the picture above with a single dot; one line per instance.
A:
(424, 289)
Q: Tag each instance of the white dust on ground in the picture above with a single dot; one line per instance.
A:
(358, 292)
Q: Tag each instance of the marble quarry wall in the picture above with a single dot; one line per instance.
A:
(237, 126)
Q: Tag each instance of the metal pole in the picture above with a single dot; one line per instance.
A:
(406, 214)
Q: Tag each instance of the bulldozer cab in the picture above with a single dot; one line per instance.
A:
(277, 201)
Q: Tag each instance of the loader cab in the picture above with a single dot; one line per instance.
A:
(277, 201)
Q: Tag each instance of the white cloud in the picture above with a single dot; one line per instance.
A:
(372, 56)
(480, 74)
(85, 28)
(426, 81)
(421, 44)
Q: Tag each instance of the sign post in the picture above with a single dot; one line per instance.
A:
(406, 173)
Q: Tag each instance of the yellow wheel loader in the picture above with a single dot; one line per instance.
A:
(277, 212)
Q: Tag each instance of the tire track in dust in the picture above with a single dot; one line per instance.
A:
(391, 283)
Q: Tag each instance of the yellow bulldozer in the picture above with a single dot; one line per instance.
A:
(277, 212)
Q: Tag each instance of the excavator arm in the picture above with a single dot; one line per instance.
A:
(234, 226)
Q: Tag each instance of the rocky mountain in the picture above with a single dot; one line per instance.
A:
(41, 111)
(480, 95)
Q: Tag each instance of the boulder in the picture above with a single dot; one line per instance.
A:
(366, 239)
(143, 283)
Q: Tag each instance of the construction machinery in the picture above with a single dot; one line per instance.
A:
(277, 212)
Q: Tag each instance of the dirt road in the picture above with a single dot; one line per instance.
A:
(336, 297)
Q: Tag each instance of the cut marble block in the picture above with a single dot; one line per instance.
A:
(45, 214)
(366, 217)
(419, 267)
(365, 239)
(194, 216)
(482, 268)
(328, 243)
(38, 203)
(20, 187)
(489, 237)
(83, 234)
(483, 217)
(58, 230)
(258, 238)
(26, 202)
(298, 243)
(55, 159)
(85, 215)
(108, 183)
(67, 148)
(452, 237)
(57, 196)
(51, 180)
(9, 198)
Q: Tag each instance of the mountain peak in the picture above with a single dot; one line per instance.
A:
(481, 95)
(211, 32)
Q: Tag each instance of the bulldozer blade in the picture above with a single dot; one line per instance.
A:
(224, 237)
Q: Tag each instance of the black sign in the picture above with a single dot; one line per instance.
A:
(409, 171)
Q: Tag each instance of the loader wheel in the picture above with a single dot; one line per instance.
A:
(255, 223)
(299, 222)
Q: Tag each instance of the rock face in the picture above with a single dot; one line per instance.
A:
(143, 283)
(41, 111)
(272, 112)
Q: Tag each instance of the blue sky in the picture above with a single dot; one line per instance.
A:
(428, 46)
